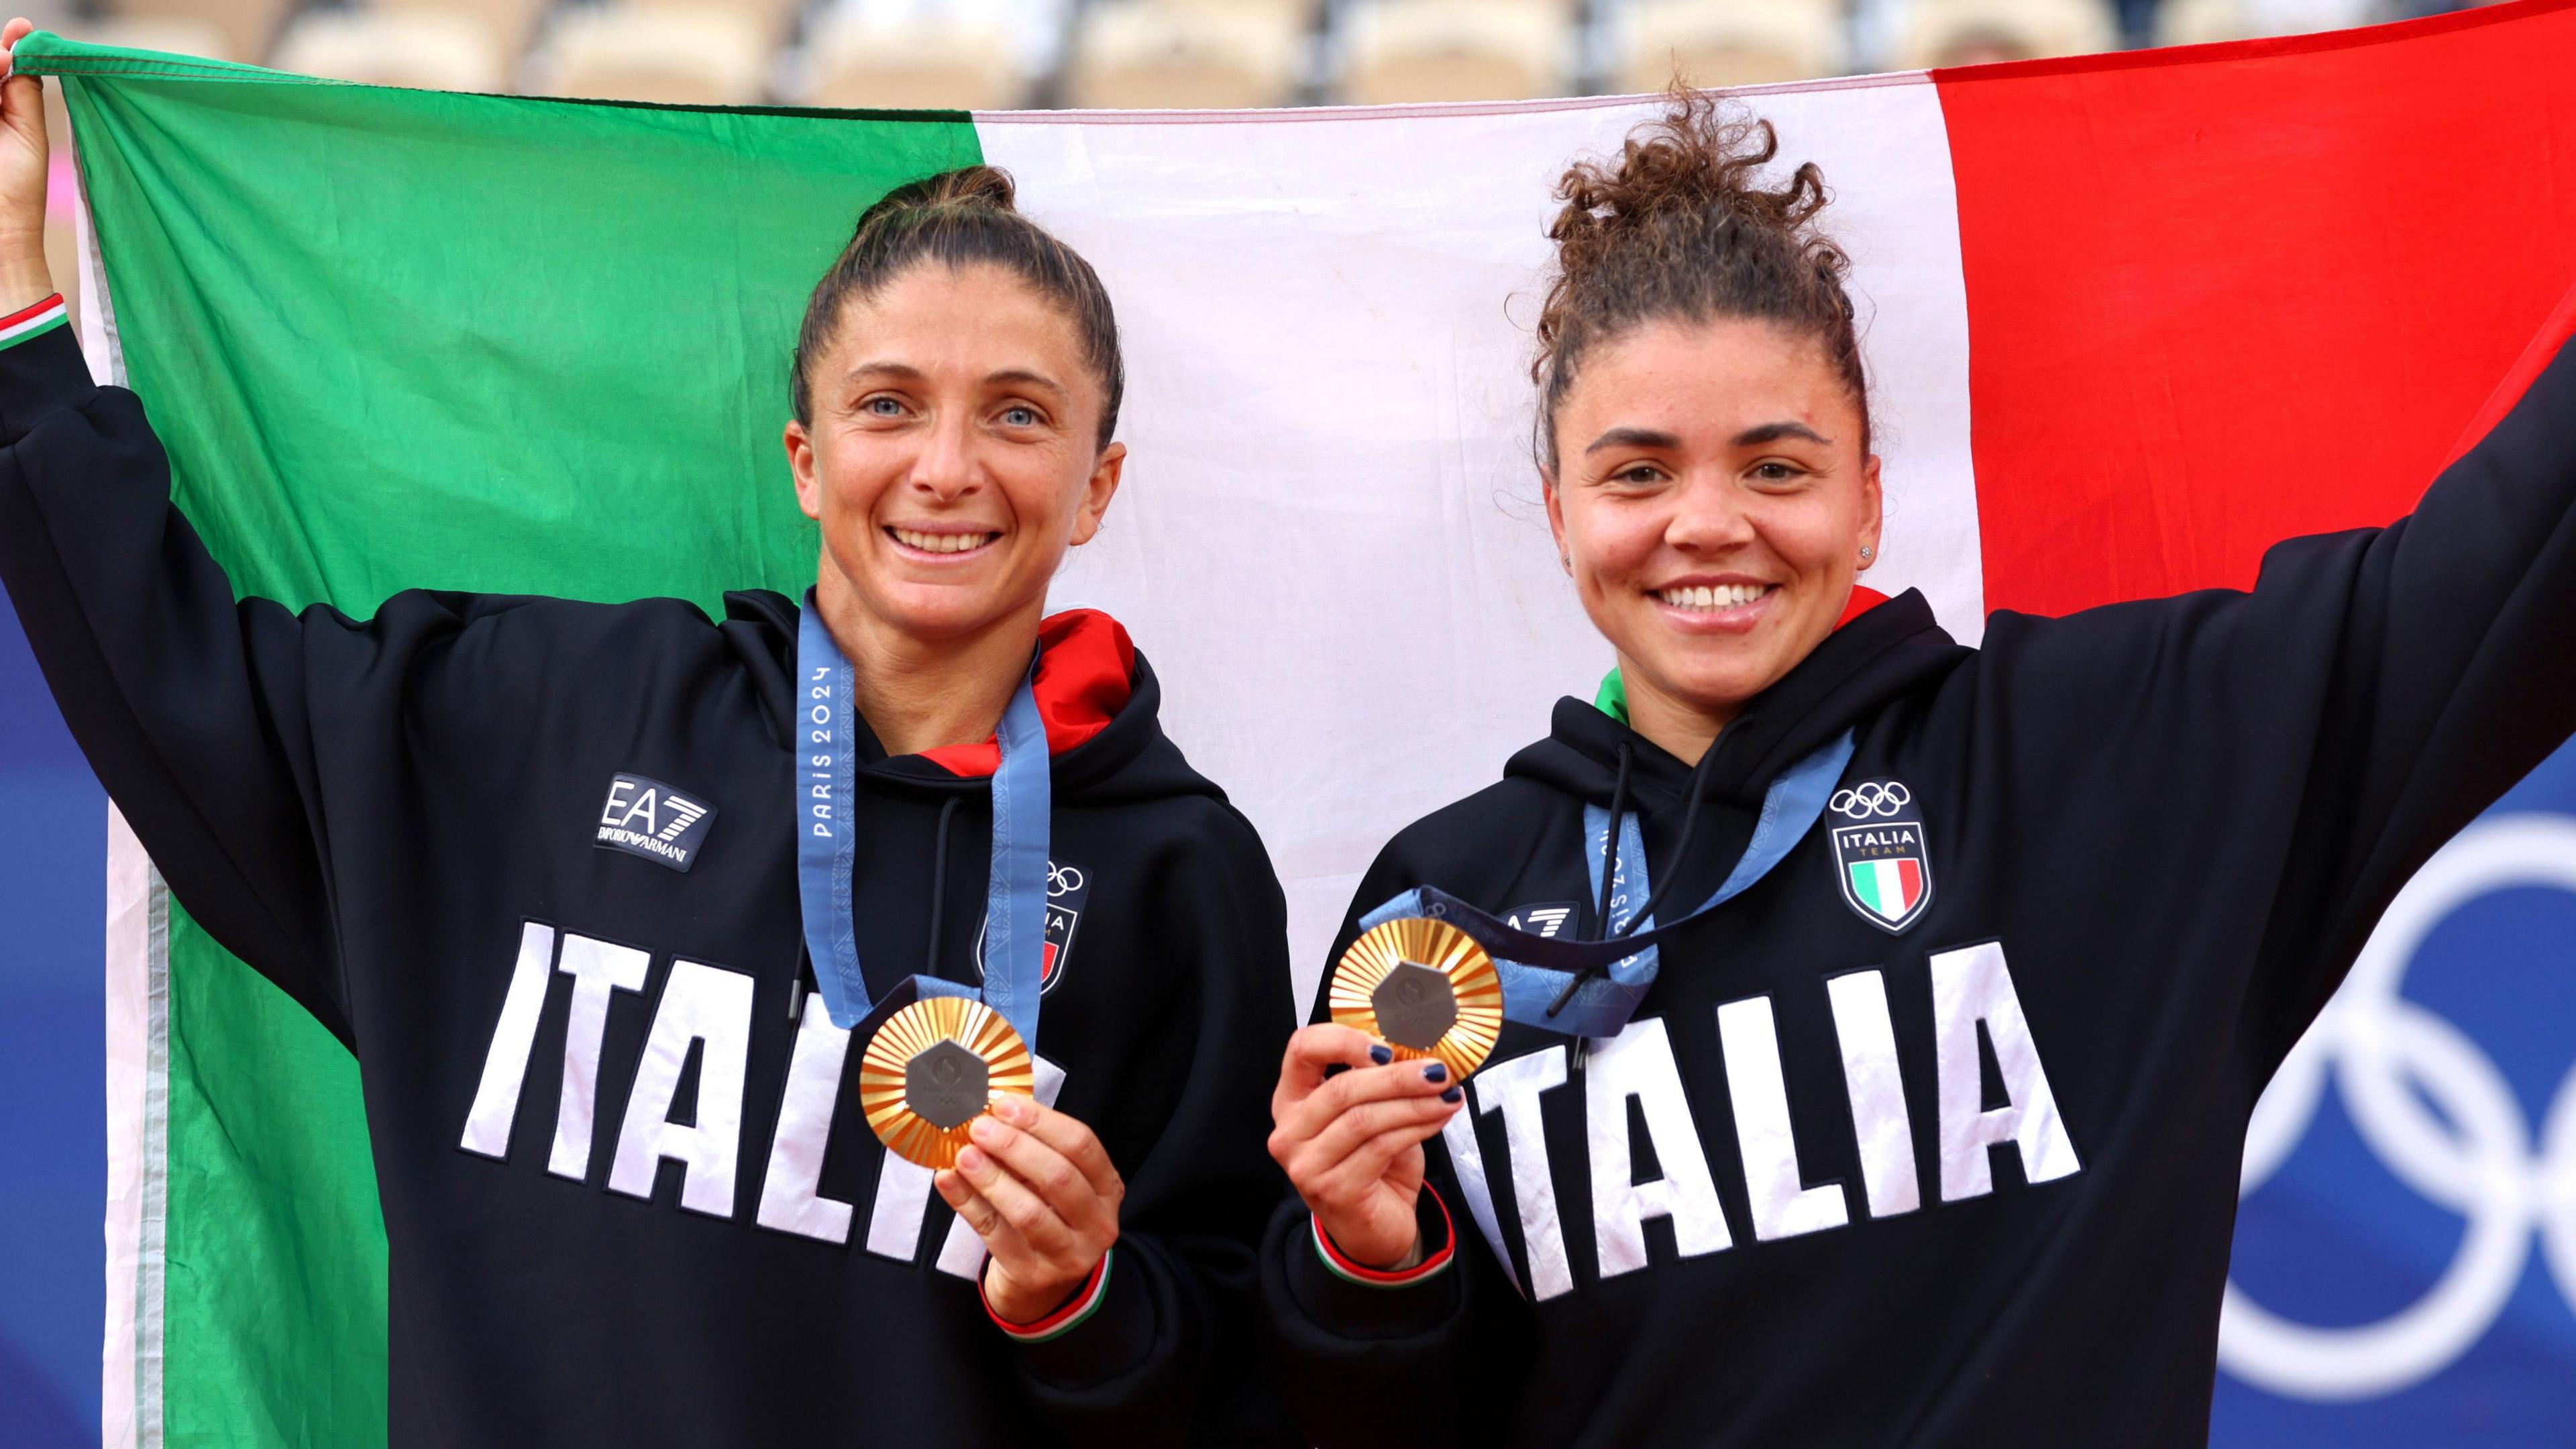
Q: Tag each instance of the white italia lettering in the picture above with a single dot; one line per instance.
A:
(1971, 986)
(708, 1007)
(1467, 1165)
(505, 1063)
(597, 969)
(1879, 1120)
(1638, 1063)
(791, 1198)
(1514, 1089)
(1783, 1207)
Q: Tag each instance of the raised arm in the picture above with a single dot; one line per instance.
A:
(2321, 736)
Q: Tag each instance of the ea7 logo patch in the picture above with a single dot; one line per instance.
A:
(1068, 886)
(1547, 918)
(659, 822)
(1879, 857)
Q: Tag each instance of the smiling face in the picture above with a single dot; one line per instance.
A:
(953, 455)
(1711, 497)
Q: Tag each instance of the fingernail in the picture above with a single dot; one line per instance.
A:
(1381, 1055)
(988, 1132)
(1454, 1094)
(1436, 1072)
(1017, 1110)
(970, 1160)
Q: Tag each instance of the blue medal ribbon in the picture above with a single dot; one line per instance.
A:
(827, 842)
(1536, 970)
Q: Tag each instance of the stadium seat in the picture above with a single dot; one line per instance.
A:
(860, 60)
(1401, 51)
(1158, 53)
(1726, 42)
(1951, 32)
(771, 18)
(2200, 22)
(247, 26)
(428, 50)
(703, 57)
(510, 23)
(173, 34)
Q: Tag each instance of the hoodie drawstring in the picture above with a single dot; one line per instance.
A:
(938, 884)
(1609, 848)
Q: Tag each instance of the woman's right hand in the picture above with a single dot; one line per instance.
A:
(24, 278)
(1352, 1141)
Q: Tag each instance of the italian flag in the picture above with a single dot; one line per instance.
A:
(2130, 319)
(1888, 887)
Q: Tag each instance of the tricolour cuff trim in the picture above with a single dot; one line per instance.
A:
(1367, 1277)
(1064, 1320)
(44, 317)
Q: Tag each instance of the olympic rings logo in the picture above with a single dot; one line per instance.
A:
(1870, 797)
(2477, 1158)
(1063, 880)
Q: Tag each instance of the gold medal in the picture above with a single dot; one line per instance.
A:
(1426, 988)
(932, 1069)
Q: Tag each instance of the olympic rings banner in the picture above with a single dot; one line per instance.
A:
(2405, 1269)
(2129, 319)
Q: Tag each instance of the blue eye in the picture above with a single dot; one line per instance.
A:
(884, 407)
(1020, 418)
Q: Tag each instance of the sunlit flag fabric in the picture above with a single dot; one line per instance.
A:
(2129, 319)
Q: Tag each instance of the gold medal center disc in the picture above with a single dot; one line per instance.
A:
(932, 1069)
(1426, 989)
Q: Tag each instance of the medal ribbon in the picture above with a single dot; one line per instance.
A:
(1535, 969)
(827, 842)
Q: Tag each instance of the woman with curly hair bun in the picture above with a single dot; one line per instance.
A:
(1881, 1016)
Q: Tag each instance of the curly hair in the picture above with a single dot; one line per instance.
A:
(1680, 226)
(960, 218)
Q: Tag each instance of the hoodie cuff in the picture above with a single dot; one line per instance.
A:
(1438, 1248)
(1350, 1301)
(41, 368)
(1104, 1331)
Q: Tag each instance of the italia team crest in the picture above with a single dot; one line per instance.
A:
(1878, 853)
(1067, 888)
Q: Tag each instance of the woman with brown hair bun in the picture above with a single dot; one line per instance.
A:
(1881, 1016)
(609, 899)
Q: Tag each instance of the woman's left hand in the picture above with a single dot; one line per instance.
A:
(1039, 1190)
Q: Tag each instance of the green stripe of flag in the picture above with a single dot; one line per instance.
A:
(399, 339)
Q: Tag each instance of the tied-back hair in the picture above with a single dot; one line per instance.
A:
(961, 218)
(1679, 227)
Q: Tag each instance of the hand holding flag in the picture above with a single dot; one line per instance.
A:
(24, 278)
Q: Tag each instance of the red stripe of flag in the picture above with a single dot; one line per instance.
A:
(2225, 295)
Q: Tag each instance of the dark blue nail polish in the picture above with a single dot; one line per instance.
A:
(1381, 1055)
(1436, 1072)
(1453, 1094)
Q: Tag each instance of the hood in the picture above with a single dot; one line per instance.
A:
(1883, 649)
(1097, 694)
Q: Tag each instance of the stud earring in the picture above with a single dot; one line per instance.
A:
(1866, 552)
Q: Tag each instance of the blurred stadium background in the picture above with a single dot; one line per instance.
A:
(996, 54)
(2508, 1389)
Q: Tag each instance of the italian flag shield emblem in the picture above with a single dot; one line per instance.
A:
(1878, 853)
(1888, 889)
